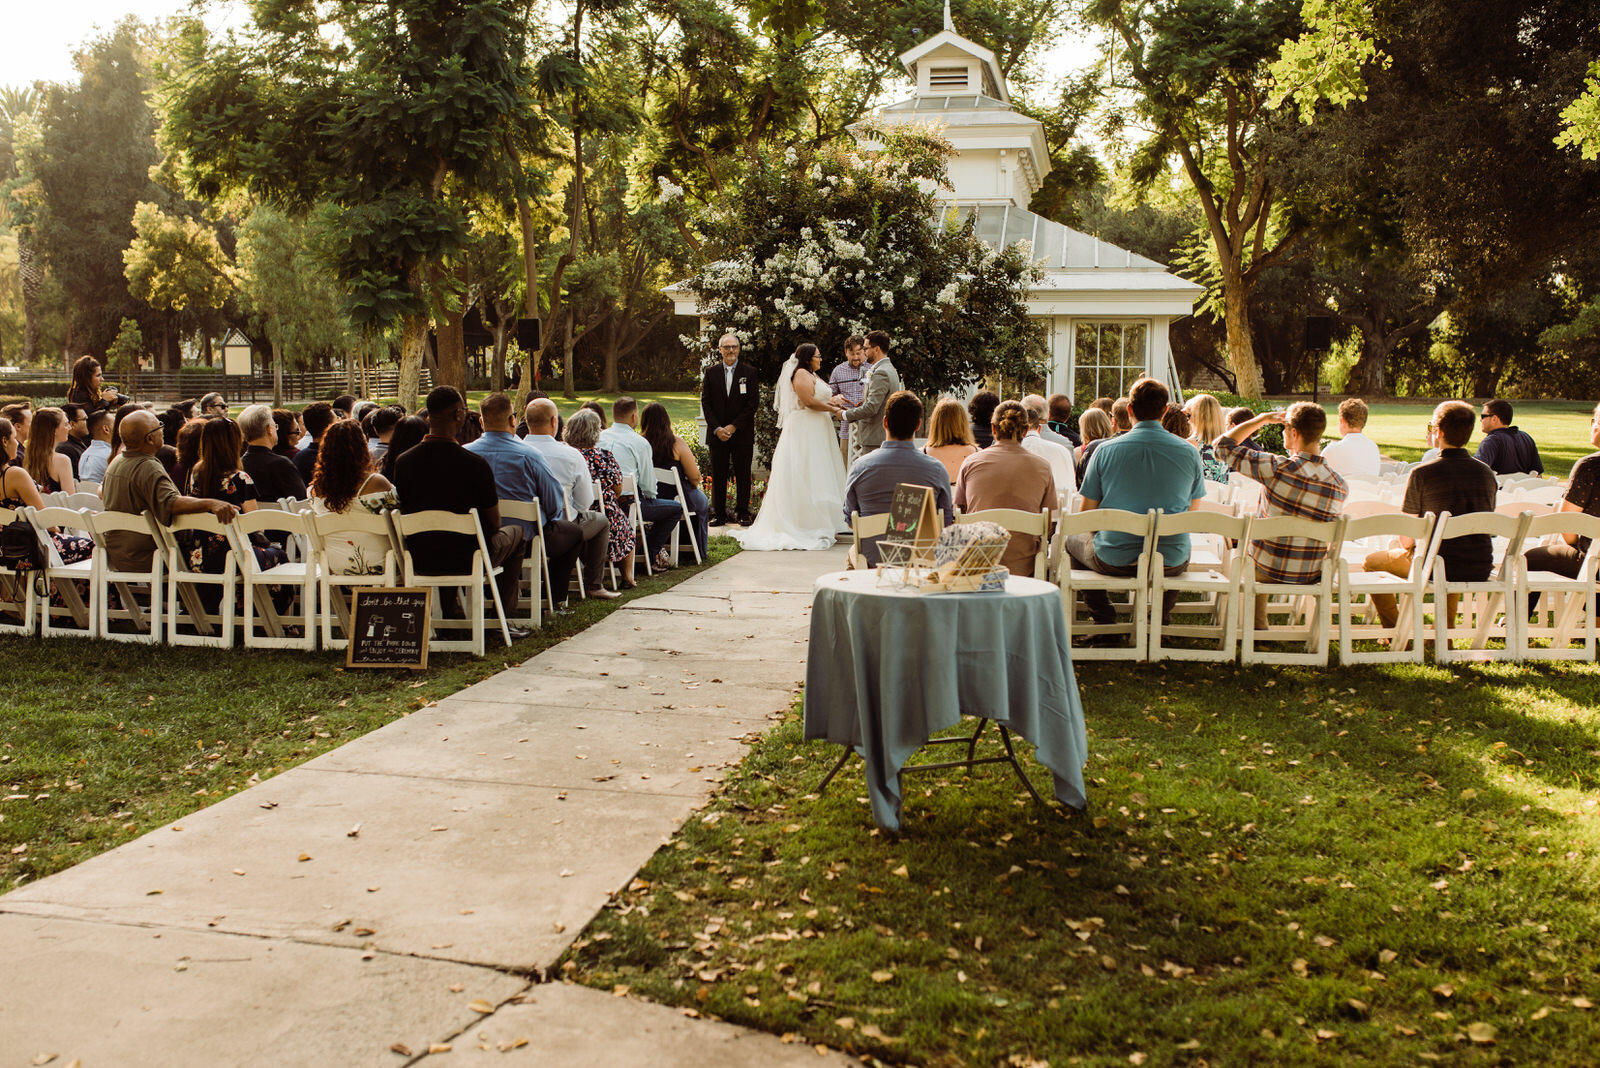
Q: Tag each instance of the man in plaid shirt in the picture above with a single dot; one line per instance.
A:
(1300, 484)
(849, 380)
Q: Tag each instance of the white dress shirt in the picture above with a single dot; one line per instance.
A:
(1060, 460)
(569, 467)
(1355, 456)
(634, 456)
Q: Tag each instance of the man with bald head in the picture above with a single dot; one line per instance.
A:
(728, 398)
(571, 472)
(136, 482)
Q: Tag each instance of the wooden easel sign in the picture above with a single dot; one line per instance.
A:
(389, 628)
(913, 516)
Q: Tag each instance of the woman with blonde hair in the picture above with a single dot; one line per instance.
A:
(1207, 423)
(1096, 426)
(950, 438)
(51, 470)
(1005, 475)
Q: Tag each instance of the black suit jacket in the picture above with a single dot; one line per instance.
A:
(738, 407)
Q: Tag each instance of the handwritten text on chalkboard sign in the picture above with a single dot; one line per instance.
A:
(912, 514)
(389, 627)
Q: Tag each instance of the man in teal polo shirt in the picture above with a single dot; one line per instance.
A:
(1143, 469)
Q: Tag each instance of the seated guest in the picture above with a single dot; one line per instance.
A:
(1452, 482)
(1059, 456)
(471, 428)
(92, 465)
(18, 490)
(437, 474)
(635, 459)
(77, 435)
(1206, 424)
(383, 422)
(1507, 450)
(1237, 417)
(1354, 455)
(275, 476)
(216, 475)
(316, 417)
(186, 451)
(1005, 475)
(583, 434)
(870, 488)
(572, 476)
(1143, 469)
(1120, 417)
(1105, 404)
(346, 479)
(407, 432)
(1565, 557)
(213, 404)
(136, 482)
(1061, 421)
(20, 416)
(950, 436)
(49, 468)
(344, 405)
(980, 409)
(521, 474)
(597, 409)
(668, 449)
(1175, 421)
(289, 431)
(1299, 484)
(1096, 427)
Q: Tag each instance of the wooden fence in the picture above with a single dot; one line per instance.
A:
(298, 386)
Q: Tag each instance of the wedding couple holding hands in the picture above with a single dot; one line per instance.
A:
(806, 488)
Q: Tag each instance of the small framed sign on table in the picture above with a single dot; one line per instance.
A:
(389, 628)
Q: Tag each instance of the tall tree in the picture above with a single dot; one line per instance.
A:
(19, 137)
(397, 114)
(176, 266)
(1197, 71)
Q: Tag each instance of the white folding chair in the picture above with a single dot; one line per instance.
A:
(84, 485)
(259, 607)
(473, 580)
(145, 618)
(1016, 521)
(382, 570)
(1310, 606)
(62, 578)
(670, 474)
(1075, 580)
(18, 594)
(80, 501)
(1218, 584)
(630, 489)
(861, 528)
(185, 586)
(535, 580)
(1566, 605)
(1482, 603)
(1357, 617)
(1517, 507)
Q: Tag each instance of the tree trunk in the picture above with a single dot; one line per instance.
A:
(1367, 376)
(569, 389)
(452, 352)
(611, 381)
(277, 374)
(1241, 349)
(413, 347)
(32, 272)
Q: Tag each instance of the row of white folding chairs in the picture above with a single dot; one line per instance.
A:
(1495, 608)
(165, 603)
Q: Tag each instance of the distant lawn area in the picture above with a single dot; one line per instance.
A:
(682, 406)
(1561, 429)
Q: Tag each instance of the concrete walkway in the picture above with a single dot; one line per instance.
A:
(413, 887)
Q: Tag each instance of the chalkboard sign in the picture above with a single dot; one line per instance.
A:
(389, 627)
(913, 517)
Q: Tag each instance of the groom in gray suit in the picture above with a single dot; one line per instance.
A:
(866, 418)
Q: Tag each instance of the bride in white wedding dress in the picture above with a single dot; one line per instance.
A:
(804, 502)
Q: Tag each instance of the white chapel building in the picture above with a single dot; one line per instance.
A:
(1106, 311)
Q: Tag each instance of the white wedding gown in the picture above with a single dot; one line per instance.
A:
(804, 504)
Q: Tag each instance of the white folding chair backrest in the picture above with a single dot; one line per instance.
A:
(1220, 535)
(147, 622)
(81, 501)
(861, 528)
(1364, 508)
(1485, 600)
(16, 588)
(1073, 579)
(1017, 522)
(84, 485)
(670, 474)
(439, 521)
(1567, 606)
(61, 578)
(1317, 627)
(535, 564)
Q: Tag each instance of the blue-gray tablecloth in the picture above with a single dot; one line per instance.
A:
(888, 668)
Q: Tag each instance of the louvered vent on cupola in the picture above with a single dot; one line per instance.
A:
(948, 77)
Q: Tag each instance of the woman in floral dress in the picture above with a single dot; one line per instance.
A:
(216, 475)
(582, 432)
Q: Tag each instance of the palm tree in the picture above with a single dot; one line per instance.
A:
(19, 110)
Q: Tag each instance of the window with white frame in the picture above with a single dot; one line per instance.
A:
(1107, 357)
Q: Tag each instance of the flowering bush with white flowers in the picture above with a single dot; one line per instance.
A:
(822, 245)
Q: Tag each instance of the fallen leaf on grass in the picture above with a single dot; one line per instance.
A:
(845, 1023)
(1481, 1033)
(1582, 1003)
(1445, 990)
(901, 871)
(882, 977)
(1541, 1014)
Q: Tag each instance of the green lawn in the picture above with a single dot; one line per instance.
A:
(1561, 429)
(101, 741)
(681, 406)
(1371, 866)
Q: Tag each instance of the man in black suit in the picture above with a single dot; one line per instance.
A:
(728, 399)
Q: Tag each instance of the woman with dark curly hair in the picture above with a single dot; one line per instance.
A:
(1005, 475)
(345, 479)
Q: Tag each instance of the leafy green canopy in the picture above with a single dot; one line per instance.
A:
(392, 112)
(841, 241)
